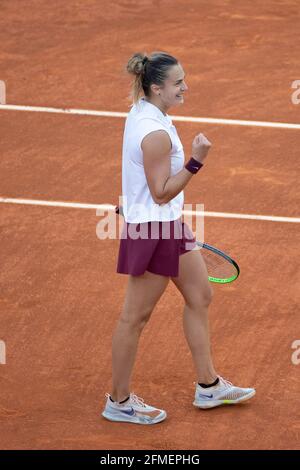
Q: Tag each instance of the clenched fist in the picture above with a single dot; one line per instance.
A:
(200, 147)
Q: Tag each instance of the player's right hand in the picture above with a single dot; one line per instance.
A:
(200, 147)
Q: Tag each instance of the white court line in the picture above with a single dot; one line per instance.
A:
(231, 122)
(110, 207)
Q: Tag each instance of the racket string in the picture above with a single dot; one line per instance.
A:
(217, 266)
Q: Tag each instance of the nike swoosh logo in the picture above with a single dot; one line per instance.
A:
(128, 412)
(205, 396)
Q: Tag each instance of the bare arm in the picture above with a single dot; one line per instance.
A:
(163, 187)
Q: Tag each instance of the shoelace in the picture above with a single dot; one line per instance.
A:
(225, 382)
(137, 400)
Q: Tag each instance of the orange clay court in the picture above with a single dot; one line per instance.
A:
(60, 296)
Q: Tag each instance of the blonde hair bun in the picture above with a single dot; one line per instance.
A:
(135, 65)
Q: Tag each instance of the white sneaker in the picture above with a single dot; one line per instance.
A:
(224, 393)
(134, 410)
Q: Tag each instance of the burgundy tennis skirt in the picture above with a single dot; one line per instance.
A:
(154, 247)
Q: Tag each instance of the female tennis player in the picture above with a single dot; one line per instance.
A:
(154, 175)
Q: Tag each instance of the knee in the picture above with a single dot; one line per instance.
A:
(201, 299)
(136, 320)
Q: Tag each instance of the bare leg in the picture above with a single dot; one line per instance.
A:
(193, 284)
(143, 292)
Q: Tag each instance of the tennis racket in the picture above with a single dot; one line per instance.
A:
(221, 268)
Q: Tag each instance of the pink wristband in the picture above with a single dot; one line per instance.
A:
(193, 166)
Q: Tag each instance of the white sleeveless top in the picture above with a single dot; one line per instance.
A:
(138, 204)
